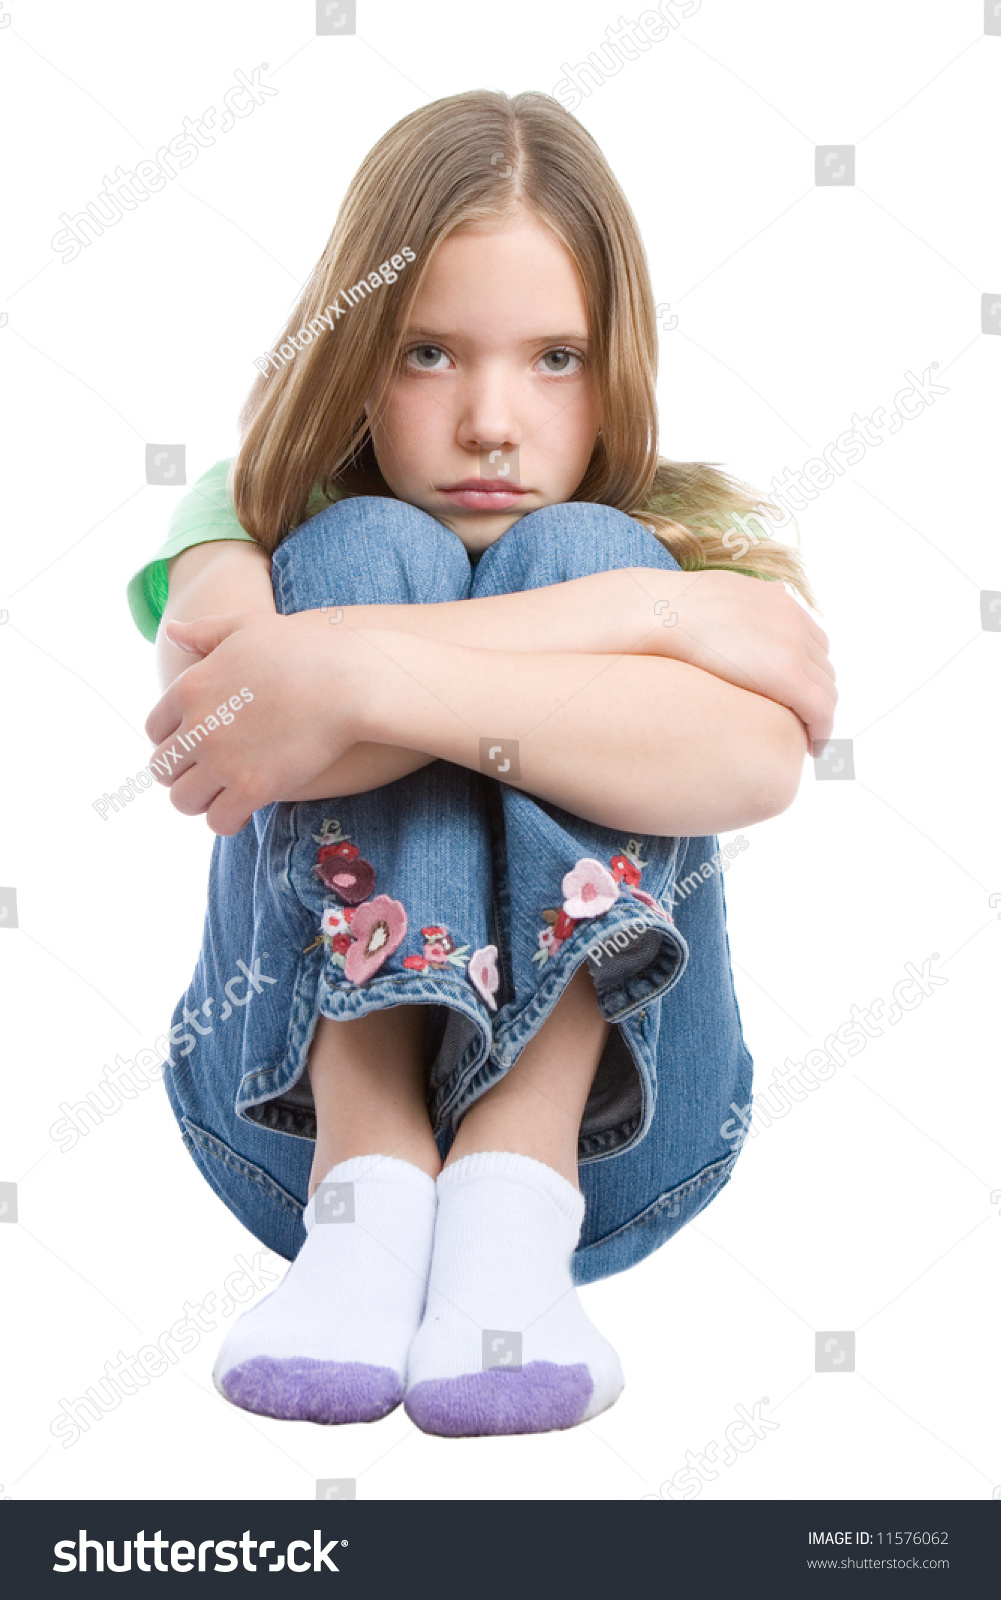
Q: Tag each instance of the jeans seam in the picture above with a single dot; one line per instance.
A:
(222, 1152)
(681, 1191)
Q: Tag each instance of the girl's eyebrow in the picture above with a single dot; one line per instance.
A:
(544, 338)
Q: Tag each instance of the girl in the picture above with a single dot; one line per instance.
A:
(451, 1047)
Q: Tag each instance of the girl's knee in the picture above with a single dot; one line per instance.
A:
(369, 550)
(569, 540)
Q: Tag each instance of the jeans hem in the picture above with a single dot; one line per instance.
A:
(315, 997)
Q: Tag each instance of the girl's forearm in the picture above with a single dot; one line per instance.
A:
(219, 578)
(608, 613)
(226, 576)
(628, 742)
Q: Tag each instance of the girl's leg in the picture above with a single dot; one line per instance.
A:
(505, 1345)
(352, 901)
(666, 1116)
(536, 1108)
(368, 1082)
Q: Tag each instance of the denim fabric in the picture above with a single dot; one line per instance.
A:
(450, 889)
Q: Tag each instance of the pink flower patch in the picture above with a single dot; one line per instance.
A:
(379, 927)
(589, 890)
(482, 972)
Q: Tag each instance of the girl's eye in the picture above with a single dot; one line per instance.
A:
(425, 357)
(562, 357)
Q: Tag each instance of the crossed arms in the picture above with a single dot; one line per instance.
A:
(690, 728)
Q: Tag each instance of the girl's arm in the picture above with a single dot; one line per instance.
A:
(626, 741)
(224, 575)
(751, 634)
(232, 576)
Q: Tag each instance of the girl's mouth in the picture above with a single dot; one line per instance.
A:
(483, 494)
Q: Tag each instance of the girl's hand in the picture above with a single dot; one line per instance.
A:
(283, 693)
(754, 635)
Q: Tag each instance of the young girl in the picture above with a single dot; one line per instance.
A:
(453, 1046)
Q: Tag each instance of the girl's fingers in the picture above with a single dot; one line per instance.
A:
(166, 716)
(815, 705)
(170, 759)
(821, 660)
(194, 791)
(228, 812)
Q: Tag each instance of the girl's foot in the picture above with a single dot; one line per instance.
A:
(505, 1345)
(330, 1343)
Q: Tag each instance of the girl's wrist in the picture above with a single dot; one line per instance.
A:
(397, 684)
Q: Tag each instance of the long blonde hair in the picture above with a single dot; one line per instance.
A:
(461, 160)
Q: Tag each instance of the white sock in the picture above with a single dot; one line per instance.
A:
(330, 1343)
(505, 1345)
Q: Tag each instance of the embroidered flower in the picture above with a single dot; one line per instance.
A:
(378, 928)
(483, 975)
(440, 950)
(623, 868)
(564, 926)
(334, 921)
(438, 945)
(347, 852)
(549, 941)
(330, 832)
(352, 880)
(634, 851)
(589, 890)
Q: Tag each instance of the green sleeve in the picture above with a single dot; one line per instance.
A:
(206, 513)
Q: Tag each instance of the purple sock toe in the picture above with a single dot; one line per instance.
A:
(530, 1399)
(303, 1390)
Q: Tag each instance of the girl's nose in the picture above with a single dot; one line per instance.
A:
(488, 416)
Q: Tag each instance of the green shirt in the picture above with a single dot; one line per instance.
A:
(205, 513)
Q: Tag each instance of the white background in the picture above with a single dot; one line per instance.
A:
(865, 1208)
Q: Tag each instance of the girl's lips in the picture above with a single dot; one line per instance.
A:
(475, 495)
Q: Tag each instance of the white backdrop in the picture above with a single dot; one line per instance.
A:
(868, 1206)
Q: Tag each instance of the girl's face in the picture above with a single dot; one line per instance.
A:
(494, 366)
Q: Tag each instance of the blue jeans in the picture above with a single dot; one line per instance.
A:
(456, 891)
